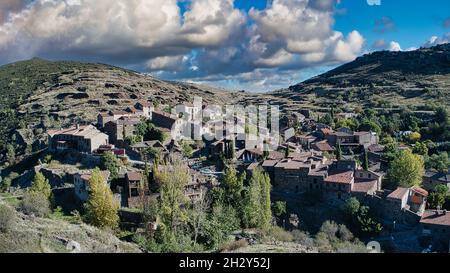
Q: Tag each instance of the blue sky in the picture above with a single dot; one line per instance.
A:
(257, 45)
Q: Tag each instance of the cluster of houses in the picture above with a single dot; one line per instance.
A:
(302, 163)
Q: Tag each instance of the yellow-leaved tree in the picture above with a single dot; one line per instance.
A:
(101, 207)
(42, 186)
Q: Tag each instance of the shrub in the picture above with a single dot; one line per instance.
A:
(34, 203)
(280, 234)
(7, 218)
(234, 245)
(302, 238)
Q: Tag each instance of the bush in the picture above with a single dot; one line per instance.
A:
(34, 203)
(302, 238)
(280, 234)
(7, 218)
(234, 245)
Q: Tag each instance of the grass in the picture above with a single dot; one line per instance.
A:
(9, 198)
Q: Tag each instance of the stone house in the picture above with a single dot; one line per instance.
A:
(433, 178)
(81, 184)
(437, 224)
(119, 129)
(83, 139)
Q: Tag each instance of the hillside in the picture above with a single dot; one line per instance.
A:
(31, 234)
(40, 94)
(381, 79)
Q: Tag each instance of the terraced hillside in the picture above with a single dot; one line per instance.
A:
(419, 78)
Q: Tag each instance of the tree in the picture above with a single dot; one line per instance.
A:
(10, 154)
(365, 161)
(414, 137)
(369, 125)
(111, 163)
(407, 169)
(338, 151)
(173, 180)
(233, 187)
(420, 148)
(440, 162)
(279, 208)
(351, 206)
(41, 185)
(257, 211)
(441, 116)
(438, 197)
(220, 223)
(101, 207)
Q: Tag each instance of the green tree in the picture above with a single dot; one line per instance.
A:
(110, 162)
(220, 223)
(41, 185)
(233, 186)
(370, 125)
(365, 160)
(351, 206)
(420, 148)
(257, 211)
(407, 169)
(101, 207)
(173, 180)
(338, 151)
(438, 196)
(440, 162)
(10, 154)
(279, 208)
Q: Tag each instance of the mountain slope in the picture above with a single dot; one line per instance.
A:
(398, 78)
(38, 94)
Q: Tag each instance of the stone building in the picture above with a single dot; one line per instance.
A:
(119, 129)
(81, 184)
(83, 139)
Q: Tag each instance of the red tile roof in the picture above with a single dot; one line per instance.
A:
(419, 190)
(429, 217)
(134, 176)
(340, 178)
(323, 146)
(363, 186)
(399, 193)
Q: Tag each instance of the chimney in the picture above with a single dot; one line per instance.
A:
(78, 126)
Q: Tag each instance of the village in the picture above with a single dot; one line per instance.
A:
(311, 159)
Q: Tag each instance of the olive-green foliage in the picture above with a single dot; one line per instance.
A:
(101, 207)
(407, 169)
(7, 218)
(110, 162)
(35, 203)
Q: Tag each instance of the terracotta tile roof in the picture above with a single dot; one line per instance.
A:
(323, 146)
(419, 190)
(269, 163)
(134, 176)
(274, 155)
(399, 193)
(429, 217)
(292, 165)
(340, 177)
(376, 148)
(363, 186)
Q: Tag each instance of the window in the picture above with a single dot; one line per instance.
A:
(370, 176)
(361, 175)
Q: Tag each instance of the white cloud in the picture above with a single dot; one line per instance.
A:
(435, 40)
(394, 46)
(211, 38)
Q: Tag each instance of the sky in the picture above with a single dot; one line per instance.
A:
(253, 45)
